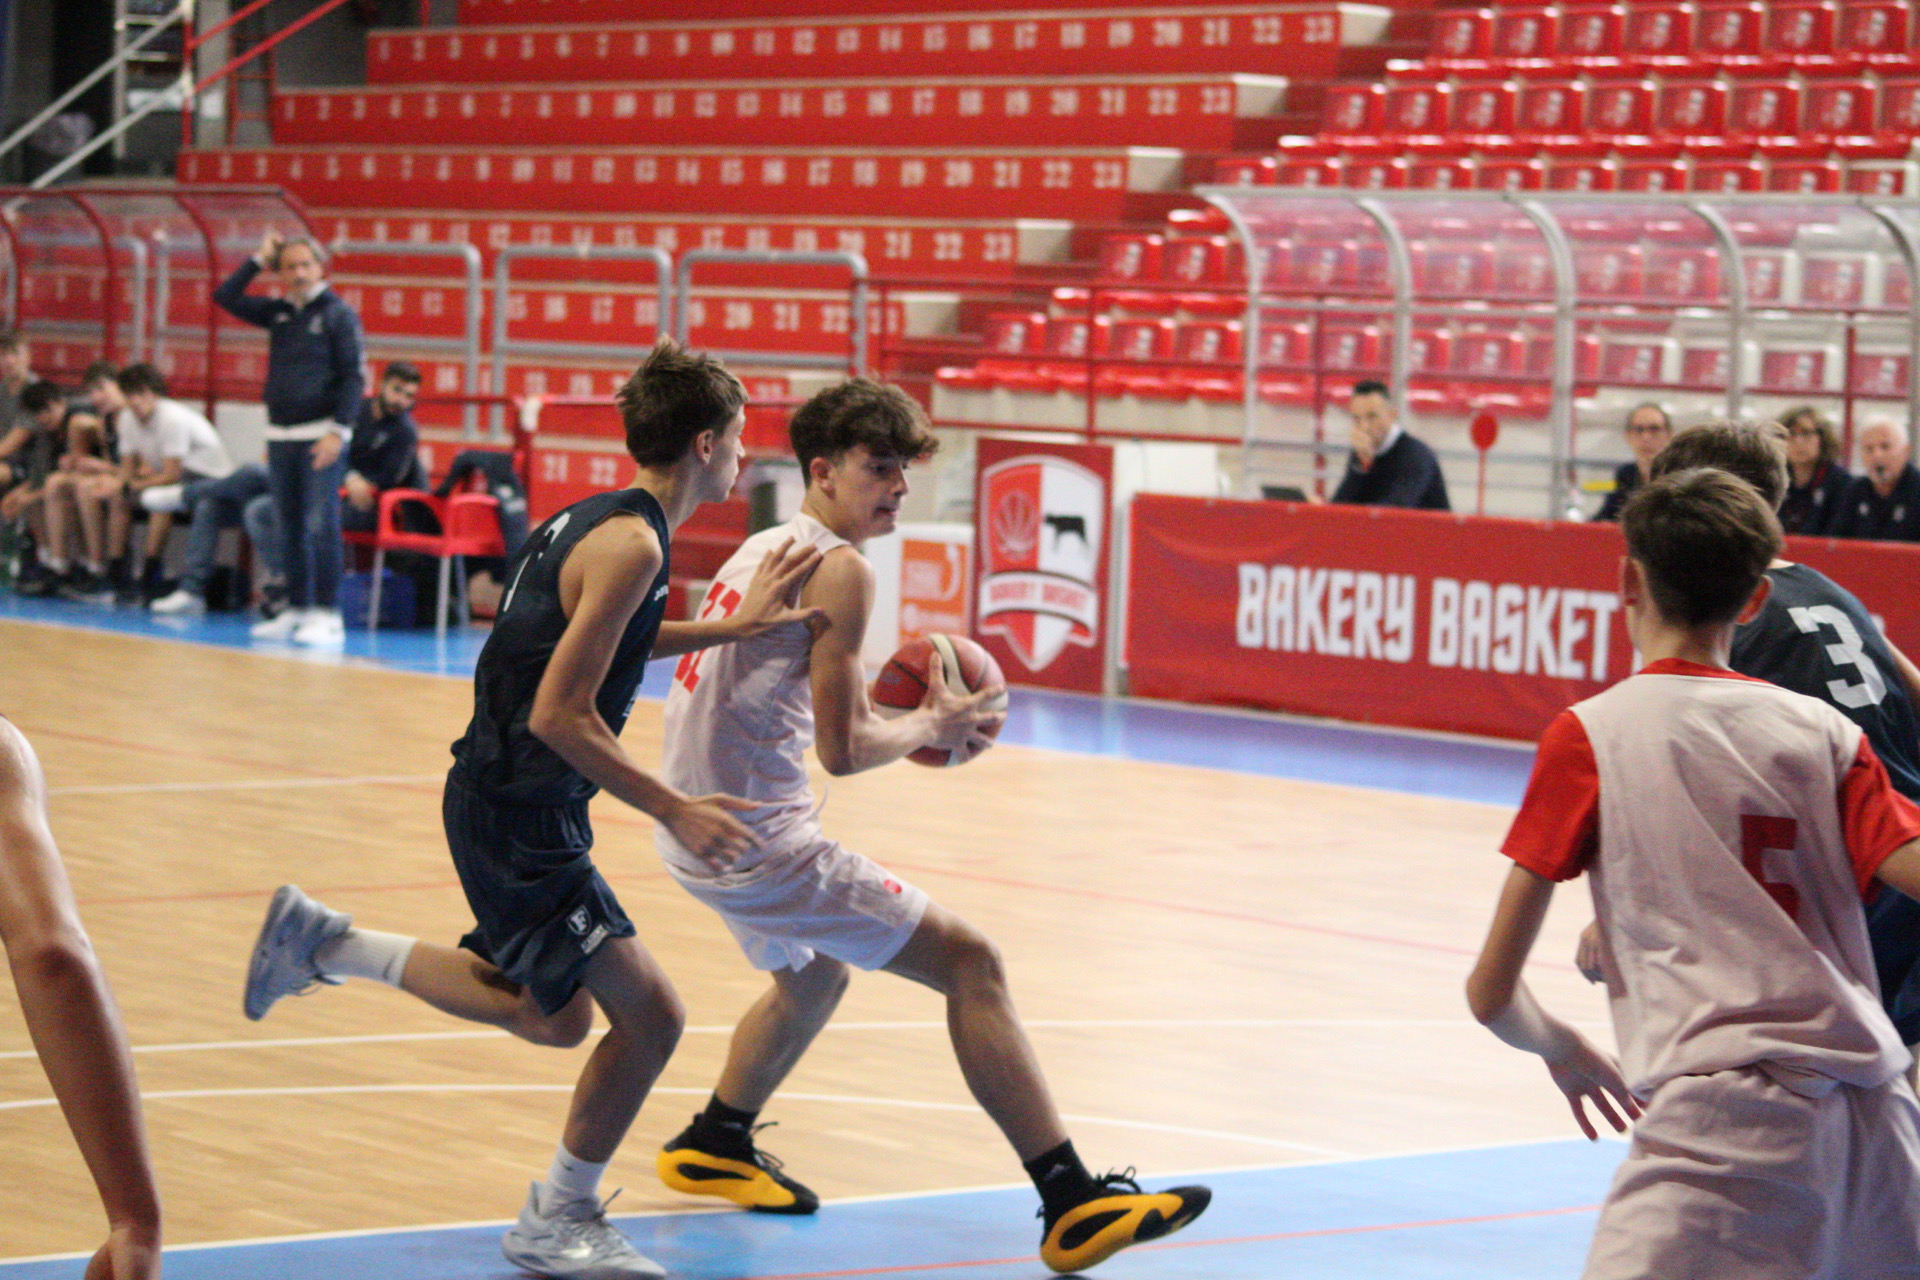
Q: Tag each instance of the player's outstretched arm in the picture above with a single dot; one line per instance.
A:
(72, 1018)
(606, 577)
(848, 735)
(1501, 1001)
(768, 603)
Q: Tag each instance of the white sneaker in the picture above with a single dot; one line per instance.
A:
(321, 627)
(164, 497)
(574, 1241)
(180, 601)
(279, 627)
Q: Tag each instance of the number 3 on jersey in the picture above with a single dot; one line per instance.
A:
(1849, 652)
(721, 601)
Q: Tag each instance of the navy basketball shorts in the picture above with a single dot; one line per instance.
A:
(540, 907)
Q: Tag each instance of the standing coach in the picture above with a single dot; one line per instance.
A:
(314, 383)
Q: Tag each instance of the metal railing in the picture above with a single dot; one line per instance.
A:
(468, 344)
(857, 361)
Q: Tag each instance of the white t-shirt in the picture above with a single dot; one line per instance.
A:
(739, 717)
(1729, 829)
(174, 431)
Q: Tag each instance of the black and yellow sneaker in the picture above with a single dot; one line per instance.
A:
(750, 1178)
(1118, 1214)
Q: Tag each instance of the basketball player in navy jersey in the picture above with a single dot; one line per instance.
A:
(583, 611)
(1815, 637)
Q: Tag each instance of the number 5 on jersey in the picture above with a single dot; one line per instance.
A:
(721, 601)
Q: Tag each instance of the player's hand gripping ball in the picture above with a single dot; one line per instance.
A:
(902, 685)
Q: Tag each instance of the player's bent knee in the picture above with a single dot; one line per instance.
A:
(562, 1030)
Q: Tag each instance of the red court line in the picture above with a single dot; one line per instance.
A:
(1321, 1233)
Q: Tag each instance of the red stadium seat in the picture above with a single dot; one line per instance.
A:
(1526, 32)
(1304, 171)
(1202, 260)
(1612, 271)
(1590, 32)
(1286, 343)
(1420, 107)
(1522, 271)
(1801, 28)
(1461, 35)
(1840, 279)
(1552, 108)
(1879, 373)
(1621, 108)
(1764, 108)
(1578, 173)
(1728, 176)
(1730, 29)
(1131, 257)
(1804, 175)
(1248, 171)
(1429, 350)
(1015, 333)
(1691, 109)
(1798, 368)
(1900, 106)
(1208, 342)
(1490, 355)
(1772, 275)
(1528, 173)
(1450, 270)
(1683, 275)
(1077, 337)
(1441, 172)
(1874, 27)
(1662, 30)
(1706, 365)
(1485, 107)
(1842, 108)
(1634, 360)
(1376, 173)
(1140, 340)
(1353, 110)
(1352, 348)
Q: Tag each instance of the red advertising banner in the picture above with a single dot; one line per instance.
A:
(1041, 516)
(1420, 619)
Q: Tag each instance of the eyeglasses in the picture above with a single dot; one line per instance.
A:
(1647, 429)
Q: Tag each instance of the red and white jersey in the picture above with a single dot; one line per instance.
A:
(739, 717)
(1730, 829)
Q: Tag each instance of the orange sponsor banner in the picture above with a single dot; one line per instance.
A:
(936, 582)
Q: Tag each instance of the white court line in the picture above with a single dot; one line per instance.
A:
(250, 784)
(292, 1091)
(880, 1197)
(402, 1037)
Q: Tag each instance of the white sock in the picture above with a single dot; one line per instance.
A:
(570, 1178)
(365, 953)
(93, 567)
(55, 564)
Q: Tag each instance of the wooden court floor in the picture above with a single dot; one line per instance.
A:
(1218, 970)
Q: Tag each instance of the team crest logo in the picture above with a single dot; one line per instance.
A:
(580, 921)
(1045, 521)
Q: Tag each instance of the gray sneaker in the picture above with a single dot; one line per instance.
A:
(574, 1241)
(283, 962)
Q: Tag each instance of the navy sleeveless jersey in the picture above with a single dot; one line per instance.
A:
(1814, 637)
(498, 755)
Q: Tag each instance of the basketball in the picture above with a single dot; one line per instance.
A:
(968, 668)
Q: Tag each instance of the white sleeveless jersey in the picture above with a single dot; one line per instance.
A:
(1730, 828)
(739, 717)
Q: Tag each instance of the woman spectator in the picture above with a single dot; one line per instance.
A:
(1816, 478)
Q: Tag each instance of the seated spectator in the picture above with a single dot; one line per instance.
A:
(1884, 502)
(1817, 482)
(16, 375)
(29, 454)
(162, 443)
(1647, 428)
(1388, 467)
(383, 453)
(87, 484)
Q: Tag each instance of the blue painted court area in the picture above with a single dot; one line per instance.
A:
(1239, 742)
(1496, 1213)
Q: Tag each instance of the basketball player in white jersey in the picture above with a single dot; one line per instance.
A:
(740, 720)
(1729, 829)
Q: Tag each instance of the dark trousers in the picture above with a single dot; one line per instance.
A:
(306, 503)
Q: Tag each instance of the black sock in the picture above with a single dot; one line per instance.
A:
(724, 1126)
(1060, 1178)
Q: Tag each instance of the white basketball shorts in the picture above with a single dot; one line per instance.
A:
(1732, 1176)
(811, 896)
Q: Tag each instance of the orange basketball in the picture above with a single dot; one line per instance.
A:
(968, 668)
